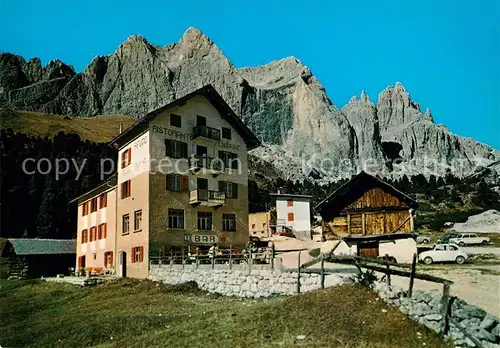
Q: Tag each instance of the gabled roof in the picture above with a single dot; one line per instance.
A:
(104, 186)
(31, 246)
(214, 98)
(360, 184)
(289, 195)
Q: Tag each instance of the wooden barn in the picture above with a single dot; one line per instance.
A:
(33, 258)
(366, 212)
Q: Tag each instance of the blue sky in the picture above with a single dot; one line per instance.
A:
(446, 53)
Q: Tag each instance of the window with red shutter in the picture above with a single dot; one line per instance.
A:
(185, 183)
(84, 232)
(141, 251)
(126, 189)
(103, 200)
(85, 208)
(105, 227)
(132, 255)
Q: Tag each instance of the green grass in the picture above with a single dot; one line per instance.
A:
(131, 313)
(97, 128)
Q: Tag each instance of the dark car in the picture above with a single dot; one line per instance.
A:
(257, 243)
(446, 238)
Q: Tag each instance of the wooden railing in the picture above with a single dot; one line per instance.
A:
(206, 132)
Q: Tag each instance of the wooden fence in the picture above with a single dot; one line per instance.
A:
(384, 266)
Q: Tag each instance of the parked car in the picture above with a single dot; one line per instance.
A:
(469, 239)
(423, 239)
(443, 253)
(446, 238)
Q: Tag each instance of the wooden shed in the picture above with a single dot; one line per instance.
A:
(365, 206)
(32, 258)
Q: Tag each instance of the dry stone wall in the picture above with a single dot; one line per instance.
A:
(425, 308)
(240, 282)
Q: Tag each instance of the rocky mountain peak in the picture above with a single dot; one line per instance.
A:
(364, 98)
(428, 115)
(283, 103)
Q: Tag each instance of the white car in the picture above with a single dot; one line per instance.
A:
(469, 239)
(423, 239)
(443, 253)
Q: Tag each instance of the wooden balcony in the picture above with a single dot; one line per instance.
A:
(207, 198)
(206, 165)
(206, 132)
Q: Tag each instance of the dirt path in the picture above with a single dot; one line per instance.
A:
(482, 290)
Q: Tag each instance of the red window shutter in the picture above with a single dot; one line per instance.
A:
(111, 258)
(129, 151)
(105, 200)
(105, 230)
(129, 185)
(185, 183)
(123, 159)
(106, 259)
(141, 253)
(132, 255)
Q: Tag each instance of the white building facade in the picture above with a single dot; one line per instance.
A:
(292, 212)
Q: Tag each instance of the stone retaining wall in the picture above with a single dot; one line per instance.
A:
(255, 283)
(425, 308)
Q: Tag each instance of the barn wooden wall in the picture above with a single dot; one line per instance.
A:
(375, 212)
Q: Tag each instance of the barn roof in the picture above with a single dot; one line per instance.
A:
(31, 246)
(359, 184)
(214, 98)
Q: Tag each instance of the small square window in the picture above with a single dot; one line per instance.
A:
(290, 217)
(289, 203)
(125, 224)
(229, 222)
(137, 220)
(175, 120)
(226, 133)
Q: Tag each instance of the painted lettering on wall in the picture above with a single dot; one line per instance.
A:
(201, 238)
(141, 142)
(171, 132)
(227, 145)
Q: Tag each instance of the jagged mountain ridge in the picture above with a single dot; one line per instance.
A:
(282, 102)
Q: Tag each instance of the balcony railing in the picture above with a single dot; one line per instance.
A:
(213, 165)
(206, 132)
(207, 197)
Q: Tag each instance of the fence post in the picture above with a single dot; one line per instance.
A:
(388, 268)
(446, 302)
(298, 273)
(322, 272)
(171, 258)
(230, 256)
(412, 275)
(273, 255)
(250, 259)
(197, 260)
(182, 255)
(213, 259)
(159, 258)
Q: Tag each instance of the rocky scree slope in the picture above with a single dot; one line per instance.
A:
(282, 102)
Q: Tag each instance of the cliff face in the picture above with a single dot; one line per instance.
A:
(282, 102)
